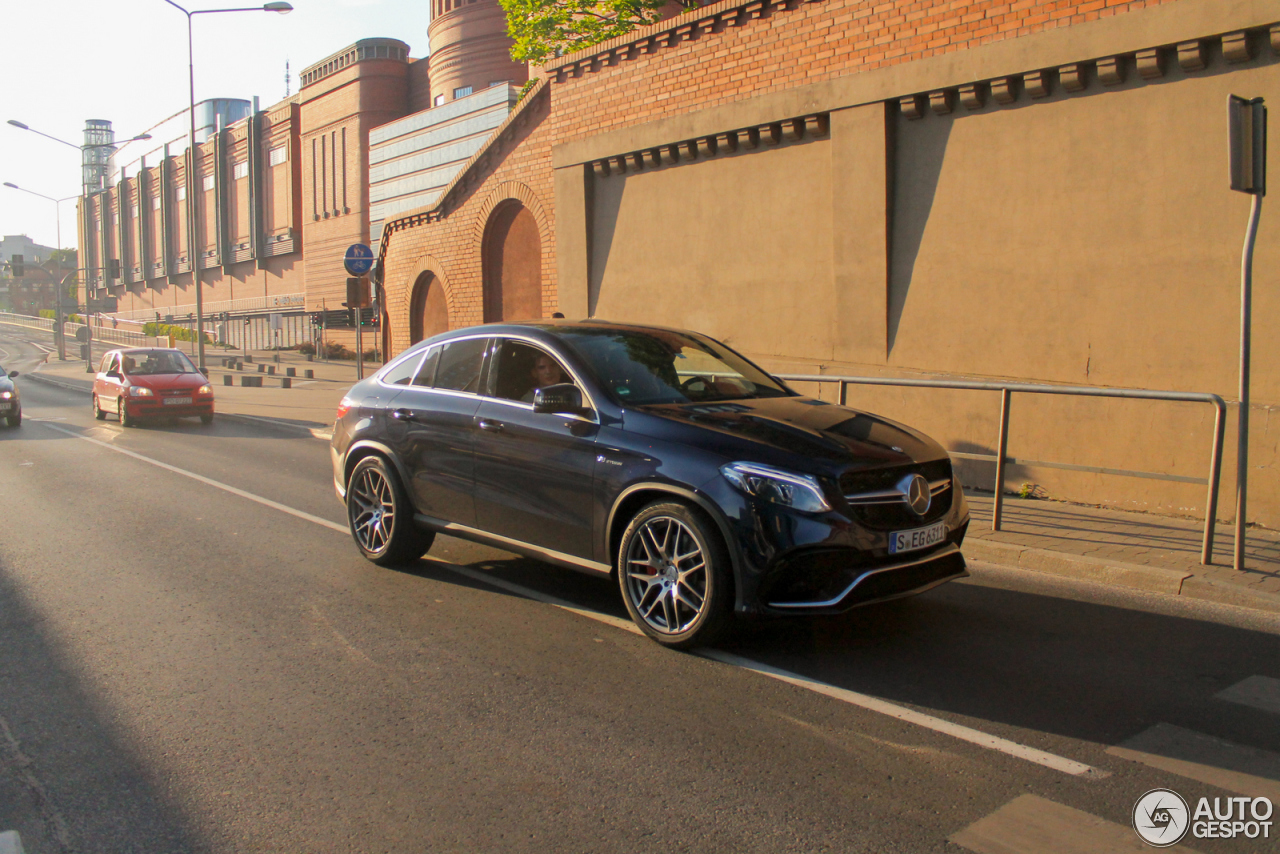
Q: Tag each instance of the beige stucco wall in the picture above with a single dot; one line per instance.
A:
(1084, 238)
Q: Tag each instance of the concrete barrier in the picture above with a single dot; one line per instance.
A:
(285, 382)
(309, 374)
(262, 369)
(248, 358)
(271, 370)
(227, 379)
(290, 372)
(251, 381)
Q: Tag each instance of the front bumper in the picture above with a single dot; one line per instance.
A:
(141, 407)
(813, 588)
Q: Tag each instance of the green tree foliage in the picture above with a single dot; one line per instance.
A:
(545, 29)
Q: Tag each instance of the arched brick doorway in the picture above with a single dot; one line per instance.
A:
(428, 312)
(512, 259)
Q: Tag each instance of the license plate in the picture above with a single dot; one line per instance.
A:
(6, 405)
(174, 401)
(917, 538)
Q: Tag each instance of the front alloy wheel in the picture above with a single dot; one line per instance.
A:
(674, 573)
(380, 516)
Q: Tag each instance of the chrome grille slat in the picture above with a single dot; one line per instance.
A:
(892, 496)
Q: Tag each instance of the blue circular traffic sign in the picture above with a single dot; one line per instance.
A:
(358, 260)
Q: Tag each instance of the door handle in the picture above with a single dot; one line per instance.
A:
(402, 415)
(493, 426)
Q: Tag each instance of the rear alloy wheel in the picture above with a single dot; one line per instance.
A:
(126, 420)
(674, 573)
(97, 409)
(381, 517)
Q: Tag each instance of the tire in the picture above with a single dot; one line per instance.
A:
(374, 494)
(206, 419)
(126, 420)
(98, 412)
(15, 420)
(675, 576)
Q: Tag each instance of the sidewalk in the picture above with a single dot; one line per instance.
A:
(1147, 552)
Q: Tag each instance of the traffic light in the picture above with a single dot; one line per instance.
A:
(113, 268)
(16, 264)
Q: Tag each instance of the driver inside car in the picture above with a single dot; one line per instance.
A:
(544, 372)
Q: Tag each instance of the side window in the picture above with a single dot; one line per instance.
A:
(426, 375)
(403, 371)
(106, 364)
(460, 364)
(523, 368)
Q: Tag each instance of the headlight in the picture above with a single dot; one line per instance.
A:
(6, 395)
(205, 389)
(140, 391)
(799, 491)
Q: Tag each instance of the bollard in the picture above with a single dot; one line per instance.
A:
(262, 369)
(309, 374)
(248, 358)
(227, 379)
(291, 372)
(285, 382)
(236, 366)
(271, 370)
(311, 357)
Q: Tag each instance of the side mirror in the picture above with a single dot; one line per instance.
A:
(12, 374)
(558, 398)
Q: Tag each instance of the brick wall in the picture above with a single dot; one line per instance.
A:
(717, 55)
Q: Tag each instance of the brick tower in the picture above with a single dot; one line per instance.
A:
(470, 49)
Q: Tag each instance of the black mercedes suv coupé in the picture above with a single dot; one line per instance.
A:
(657, 456)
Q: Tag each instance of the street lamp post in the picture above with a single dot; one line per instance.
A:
(193, 210)
(58, 337)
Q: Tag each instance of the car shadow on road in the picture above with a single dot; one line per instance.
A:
(63, 757)
(981, 654)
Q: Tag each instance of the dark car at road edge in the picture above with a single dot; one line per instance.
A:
(662, 458)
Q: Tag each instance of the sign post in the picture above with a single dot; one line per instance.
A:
(1247, 132)
(358, 261)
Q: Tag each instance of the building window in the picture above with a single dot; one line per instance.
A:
(439, 100)
(462, 92)
(241, 170)
(155, 203)
(208, 182)
(133, 211)
(182, 193)
(498, 83)
(279, 155)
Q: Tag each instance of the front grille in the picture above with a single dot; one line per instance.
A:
(892, 514)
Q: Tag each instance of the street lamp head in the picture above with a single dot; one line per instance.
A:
(15, 186)
(18, 124)
(281, 7)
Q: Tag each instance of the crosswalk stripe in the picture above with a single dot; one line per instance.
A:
(1213, 761)
(1030, 824)
(1260, 692)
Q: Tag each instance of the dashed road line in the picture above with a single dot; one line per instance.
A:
(1205, 758)
(1260, 692)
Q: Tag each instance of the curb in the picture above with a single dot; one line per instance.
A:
(40, 378)
(1151, 579)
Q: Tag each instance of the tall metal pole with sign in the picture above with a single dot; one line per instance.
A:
(358, 261)
(1247, 131)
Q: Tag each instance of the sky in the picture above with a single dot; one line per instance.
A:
(65, 61)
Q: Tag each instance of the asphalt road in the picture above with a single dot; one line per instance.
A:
(192, 665)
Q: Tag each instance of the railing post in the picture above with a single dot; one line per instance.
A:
(844, 393)
(1001, 446)
(1215, 469)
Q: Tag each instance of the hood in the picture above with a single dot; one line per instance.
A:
(804, 427)
(158, 382)
(6, 384)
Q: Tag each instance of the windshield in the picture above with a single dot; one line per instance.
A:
(642, 367)
(142, 362)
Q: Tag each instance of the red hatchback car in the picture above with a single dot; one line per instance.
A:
(150, 382)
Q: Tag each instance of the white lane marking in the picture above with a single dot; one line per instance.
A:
(893, 710)
(1033, 825)
(314, 431)
(266, 502)
(1213, 761)
(875, 704)
(1260, 692)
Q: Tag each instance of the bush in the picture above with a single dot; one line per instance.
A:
(179, 333)
(306, 348)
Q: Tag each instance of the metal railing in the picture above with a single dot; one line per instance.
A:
(102, 334)
(1000, 457)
